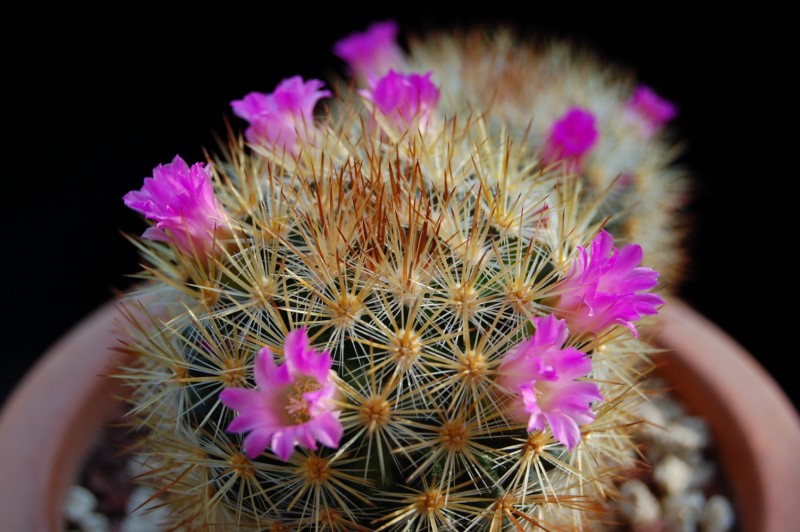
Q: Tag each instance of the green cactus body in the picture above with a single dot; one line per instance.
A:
(418, 260)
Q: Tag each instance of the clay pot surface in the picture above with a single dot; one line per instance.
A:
(755, 427)
(49, 423)
(52, 418)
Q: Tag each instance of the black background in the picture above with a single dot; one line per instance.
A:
(91, 107)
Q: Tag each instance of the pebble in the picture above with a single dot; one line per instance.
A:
(95, 522)
(702, 474)
(654, 416)
(672, 474)
(78, 503)
(639, 507)
(675, 445)
(717, 515)
(686, 435)
(141, 518)
(682, 511)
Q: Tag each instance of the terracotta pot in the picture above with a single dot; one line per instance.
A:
(755, 427)
(51, 420)
(49, 423)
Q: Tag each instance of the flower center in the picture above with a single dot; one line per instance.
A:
(297, 405)
(544, 391)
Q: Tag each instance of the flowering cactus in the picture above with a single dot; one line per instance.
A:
(423, 325)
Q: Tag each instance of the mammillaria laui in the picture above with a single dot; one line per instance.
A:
(423, 325)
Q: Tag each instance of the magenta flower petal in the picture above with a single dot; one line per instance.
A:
(404, 99)
(283, 118)
(267, 373)
(240, 399)
(181, 201)
(652, 111)
(244, 423)
(564, 428)
(283, 443)
(540, 377)
(531, 408)
(327, 430)
(300, 358)
(307, 438)
(572, 364)
(370, 54)
(255, 443)
(605, 286)
(549, 332)
(294, 404)
(571, 137)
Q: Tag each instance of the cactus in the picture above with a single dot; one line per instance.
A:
(407, 311)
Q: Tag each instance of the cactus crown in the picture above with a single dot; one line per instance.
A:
(406, 311)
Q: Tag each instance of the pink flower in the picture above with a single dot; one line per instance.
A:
(404, 99)
(605, 287)
(541, 376)
(279, 119)
(181, 201)
(651, 110)
(293, 405)
(372, 53)
(571, 137)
